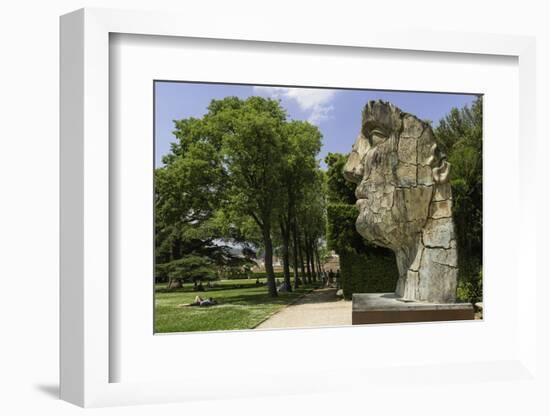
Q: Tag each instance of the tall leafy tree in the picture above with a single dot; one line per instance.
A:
(189, 189)
(254, 152)
(311, 217)
(298, 174)
(241, 173)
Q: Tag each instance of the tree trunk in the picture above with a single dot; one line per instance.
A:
(268, 261)
(312, 260)
(295, 254)
(308, 261)
(318, 259)
(302, 263)
(286, 266)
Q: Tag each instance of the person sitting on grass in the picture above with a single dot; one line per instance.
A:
(203, 302)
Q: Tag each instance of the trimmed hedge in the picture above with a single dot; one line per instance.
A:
(367, 273)
(364, 268)
(341, 233)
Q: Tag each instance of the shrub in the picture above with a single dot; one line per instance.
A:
(364, 268)
(367, 273)
(470, 287)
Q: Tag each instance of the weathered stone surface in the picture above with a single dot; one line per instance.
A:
(355, 158)
(411, 127)
(447, 257)
(437, 282)
(438, 233)
(425, 176)
(406, 175)
(411, 204)
(407, 150)
(415, 266)
(425, 144)
(412, 285)
(441, 209)
(404, 200)
(442, 192)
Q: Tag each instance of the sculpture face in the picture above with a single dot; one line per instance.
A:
(403, 197)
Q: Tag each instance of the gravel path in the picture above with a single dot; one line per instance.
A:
(318, 308)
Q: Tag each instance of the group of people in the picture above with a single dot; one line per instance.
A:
(330, 278)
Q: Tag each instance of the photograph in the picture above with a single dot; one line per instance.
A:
(292, 207)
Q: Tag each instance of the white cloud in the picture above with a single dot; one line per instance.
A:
(314, 101)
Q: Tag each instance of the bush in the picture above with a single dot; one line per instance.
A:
(364, 273)
(470, 287)
(364, 268)
(341, 233)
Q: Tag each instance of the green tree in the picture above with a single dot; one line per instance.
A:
(189, 190)
(254, 152)
(298, 174)
(339, 190)
(241, 174)
(311, 219)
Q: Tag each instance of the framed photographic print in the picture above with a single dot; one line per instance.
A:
(254, 225)
(264, 196)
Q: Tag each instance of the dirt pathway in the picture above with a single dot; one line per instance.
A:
(318, 308)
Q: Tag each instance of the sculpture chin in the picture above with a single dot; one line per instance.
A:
(371, 226)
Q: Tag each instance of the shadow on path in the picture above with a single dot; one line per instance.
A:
(319, 296)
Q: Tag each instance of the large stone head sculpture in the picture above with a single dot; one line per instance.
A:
(404, 200)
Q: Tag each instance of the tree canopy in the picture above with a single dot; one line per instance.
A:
(239, 175)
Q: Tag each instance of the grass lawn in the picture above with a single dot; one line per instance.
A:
(241, 305)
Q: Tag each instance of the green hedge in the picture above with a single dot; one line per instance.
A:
(367, 273)
(364, 268)
(341, 233)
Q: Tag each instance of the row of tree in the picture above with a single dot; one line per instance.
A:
(242, 176)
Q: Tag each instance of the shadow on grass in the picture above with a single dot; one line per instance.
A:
(264, 298)
(210, 289)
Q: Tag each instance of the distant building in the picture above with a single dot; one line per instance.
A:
(332, 262)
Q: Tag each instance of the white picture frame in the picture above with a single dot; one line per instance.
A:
(85, 353)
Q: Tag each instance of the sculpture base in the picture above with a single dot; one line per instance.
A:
(385, 308)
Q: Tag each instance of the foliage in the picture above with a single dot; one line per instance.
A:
(372, 272)
(341, 233)
(339, 189)
(240, 175)
(191, 268)
(470, 288)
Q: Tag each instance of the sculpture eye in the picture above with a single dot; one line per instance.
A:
(377, 137)
(372, 160)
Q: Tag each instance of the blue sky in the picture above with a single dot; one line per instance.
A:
(336, 112)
